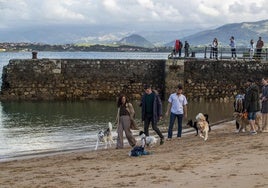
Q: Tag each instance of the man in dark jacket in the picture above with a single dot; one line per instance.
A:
(252, 104)
(151, 105)
(186, 49)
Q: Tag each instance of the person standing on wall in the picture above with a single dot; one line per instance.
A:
(252, 104)
(177, 106)
(178, 46)
(233, 47)
(259, 46)
(251, 49)
(264, 106)
(215, 48)
(151, 112)
(186, 49)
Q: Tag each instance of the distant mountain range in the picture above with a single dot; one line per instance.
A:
(242, 32)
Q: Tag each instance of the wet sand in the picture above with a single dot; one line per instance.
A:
(226, 159)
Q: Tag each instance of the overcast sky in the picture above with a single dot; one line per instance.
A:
(130, 14)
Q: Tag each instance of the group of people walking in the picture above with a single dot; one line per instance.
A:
(151, 112)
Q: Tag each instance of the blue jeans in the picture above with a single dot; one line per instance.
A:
(171, 124)
(251, 115)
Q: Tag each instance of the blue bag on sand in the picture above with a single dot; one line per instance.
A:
(138, 151)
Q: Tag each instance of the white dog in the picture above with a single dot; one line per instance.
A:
(147, 140)
(202, 125)
(105, 136)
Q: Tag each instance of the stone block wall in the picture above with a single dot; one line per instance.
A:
(87, 79)
(79, 79)
(175, 70)
(220, 80)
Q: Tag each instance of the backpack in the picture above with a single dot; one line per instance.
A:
(138, 151)
(177, 45)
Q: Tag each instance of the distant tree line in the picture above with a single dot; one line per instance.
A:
(74, 47)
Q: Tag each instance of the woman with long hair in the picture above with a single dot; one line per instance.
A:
(124, 116)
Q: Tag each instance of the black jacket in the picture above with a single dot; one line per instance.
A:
(252, 98)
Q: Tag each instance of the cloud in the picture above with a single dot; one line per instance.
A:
(130, 14)
(61, 11)
(206, 10)
(111, 5)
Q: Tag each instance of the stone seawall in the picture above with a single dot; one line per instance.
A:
(205, 79)
(87, 79)
(79, 79)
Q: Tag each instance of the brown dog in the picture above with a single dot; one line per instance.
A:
(242, 120)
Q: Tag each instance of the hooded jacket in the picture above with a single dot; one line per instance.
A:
(157, 107)
(252, 98)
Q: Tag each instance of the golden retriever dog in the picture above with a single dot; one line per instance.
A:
(242, 120)
(202, 125)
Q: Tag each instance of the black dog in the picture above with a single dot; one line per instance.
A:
(206, 115)
(194, 124)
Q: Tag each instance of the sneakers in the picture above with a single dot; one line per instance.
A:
(253, 132)
(265, 131)
(238, 131)
(161, 141)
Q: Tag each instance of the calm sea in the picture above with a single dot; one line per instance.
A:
(28, 128)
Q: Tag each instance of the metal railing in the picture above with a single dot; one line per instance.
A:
(222, 53)
(241, 53)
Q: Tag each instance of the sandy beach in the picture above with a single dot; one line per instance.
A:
(226, 159)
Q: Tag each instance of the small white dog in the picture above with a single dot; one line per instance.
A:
(105, 136)
(202, 125)
(147, 140)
